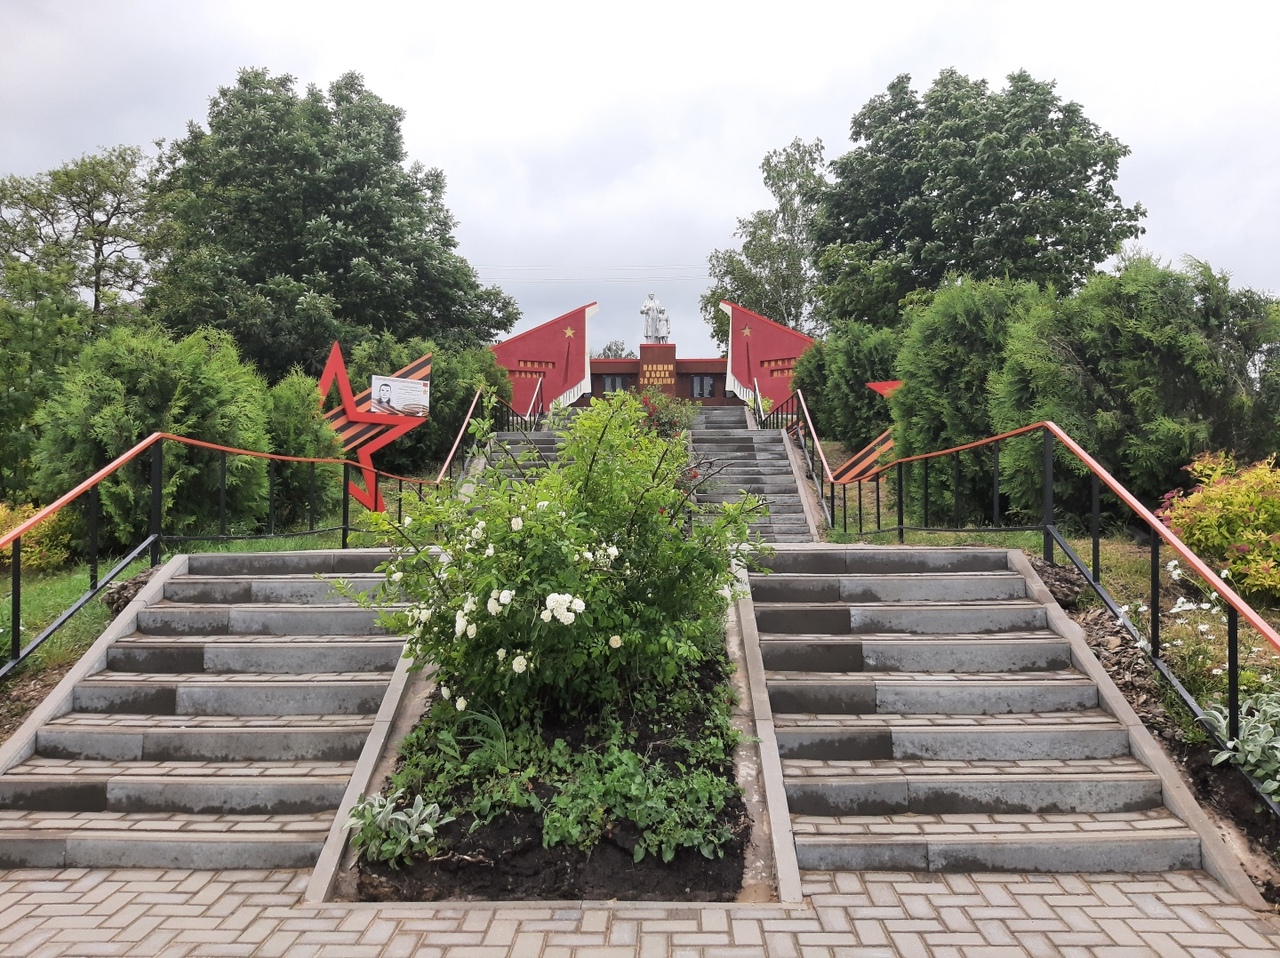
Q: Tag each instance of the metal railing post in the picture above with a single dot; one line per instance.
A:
(93, 537)
(1095, 528)
(1233, 674)
(1047, 471)
(15, 602)
(955, 490)
(271, 497)
(1155, 596)
(311, 499)
(844, 507)
(157, 482)
(346, 502)
(995, 484)
(901, 519)
(222, 493)
(925, 491)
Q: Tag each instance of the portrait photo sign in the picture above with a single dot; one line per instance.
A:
(404, 397)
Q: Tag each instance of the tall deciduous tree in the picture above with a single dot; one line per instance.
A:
(87, 221)
(1012, 184)
(772, 274)
(297, 222)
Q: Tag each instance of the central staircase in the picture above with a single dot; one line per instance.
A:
(928, 719)
(754, 461)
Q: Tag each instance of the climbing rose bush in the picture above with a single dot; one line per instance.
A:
(569, 588)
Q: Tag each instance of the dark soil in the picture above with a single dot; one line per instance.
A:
(22, 692)
(505, 861)
(1222, 790)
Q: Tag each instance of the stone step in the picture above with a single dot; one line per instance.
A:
(205, 788)
(165, 618)
(787, 537)
(337, 562)
(1036, 735)
(874, 560)
(1150, 840)
(907, 618)
(906, 693)
(889, 587)
(126, 840)
(347, 693)
(272, 654)
(291, 589)
(1025, 652)
(203, 738)
(906, 786)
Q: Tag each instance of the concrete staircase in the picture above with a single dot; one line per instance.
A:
(750, 460)
(928, 719)
(508, 448)
(220, 734)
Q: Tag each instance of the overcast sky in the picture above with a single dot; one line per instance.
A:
(600, 151)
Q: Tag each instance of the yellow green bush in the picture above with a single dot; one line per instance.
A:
(44, 548)
(1232, 518)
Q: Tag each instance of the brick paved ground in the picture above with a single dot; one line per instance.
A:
(80, 912)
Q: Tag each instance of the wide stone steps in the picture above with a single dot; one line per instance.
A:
(902, 786)
(223, 730)
(1148, 840)
(204, 738)
(1027, 736)
(976, 693)
(232, 693)
(891, 587)
(54, 839)
(895, 652)
(927, 717)
(245, 788)
(263, 654)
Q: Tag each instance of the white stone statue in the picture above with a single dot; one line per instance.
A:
(657, 324)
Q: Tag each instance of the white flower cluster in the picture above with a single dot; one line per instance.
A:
(563, 607)
(419, 615)
(460, 703)
(477, 532)
(602, 555)
(499, 601)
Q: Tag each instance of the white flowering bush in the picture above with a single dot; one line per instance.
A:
(591, 580)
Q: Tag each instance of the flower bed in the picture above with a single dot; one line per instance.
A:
(574, 622)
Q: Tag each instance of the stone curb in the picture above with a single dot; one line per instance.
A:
(1217, 858)
(325, 873)
(784, 846)
(22, 744)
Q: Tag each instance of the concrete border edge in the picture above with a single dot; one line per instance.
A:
(787, 869)
(325, 872)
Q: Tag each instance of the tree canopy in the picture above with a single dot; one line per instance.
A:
(87, 222)
(1011, 184)
(773, 273)
(296, 222)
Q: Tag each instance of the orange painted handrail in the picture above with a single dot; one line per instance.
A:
(826, 469)
(115, 465)
(1215, 582)
(461, 432)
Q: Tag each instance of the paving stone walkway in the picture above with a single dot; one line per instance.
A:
(77, 913)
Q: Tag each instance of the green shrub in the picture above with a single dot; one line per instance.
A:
(1232, 519)
(1257, 750)
(133, 382)
(297, 427)
(567, 592)
(44, 548)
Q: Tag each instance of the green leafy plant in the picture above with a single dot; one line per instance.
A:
(385, 829)
(1257, 750)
